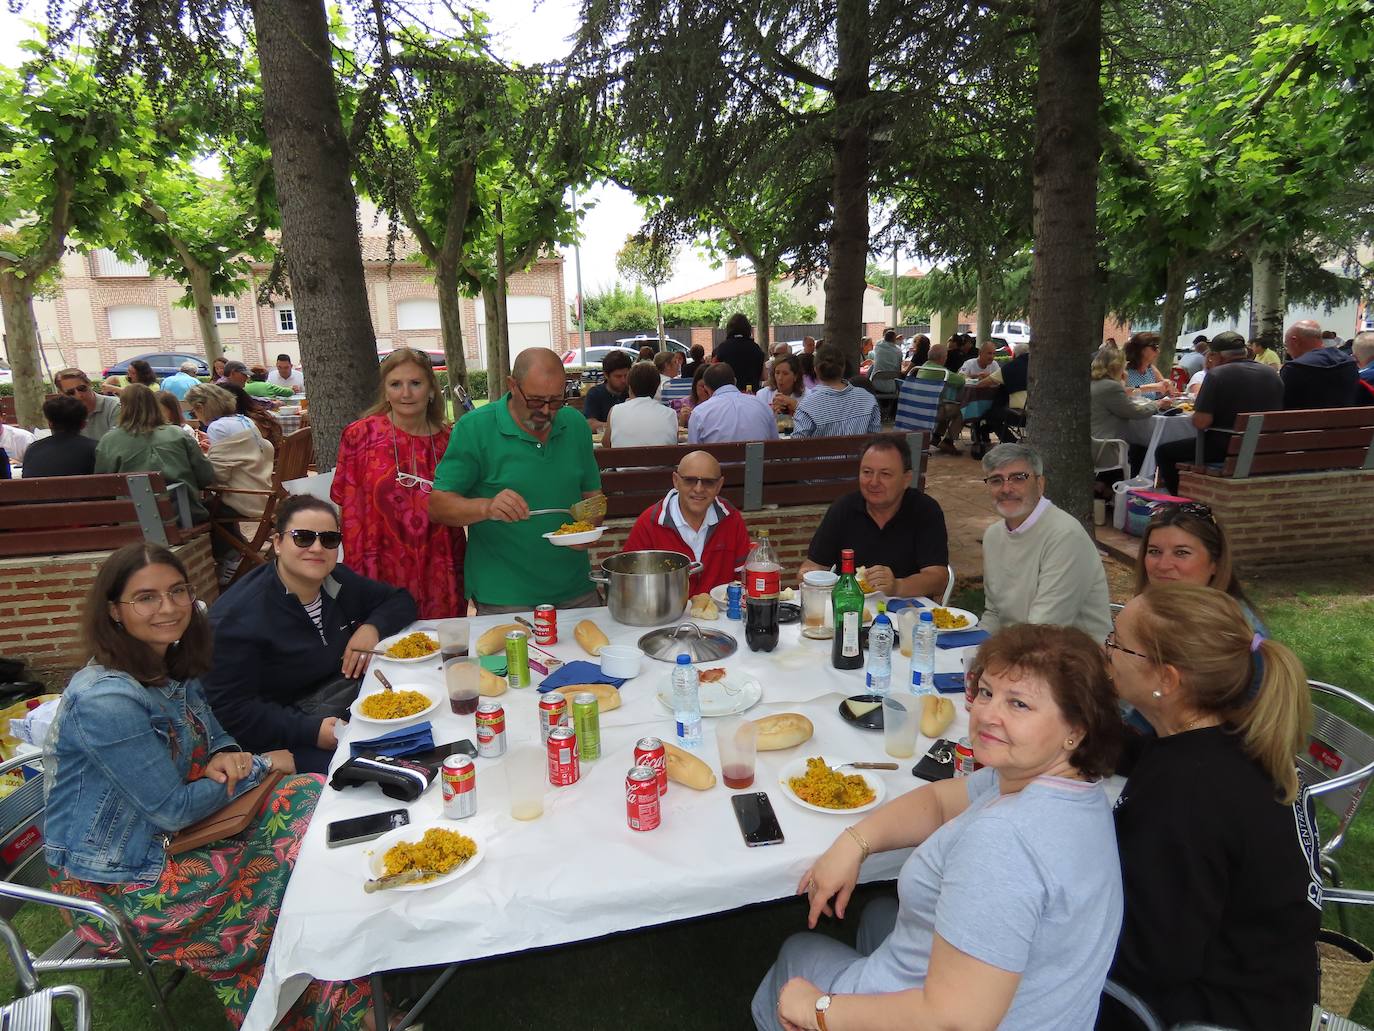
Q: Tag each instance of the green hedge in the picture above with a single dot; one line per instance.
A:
(7, 389)
(477, 382)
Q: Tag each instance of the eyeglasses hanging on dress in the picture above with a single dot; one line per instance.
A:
(413, 479)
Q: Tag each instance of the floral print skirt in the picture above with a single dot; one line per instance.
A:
(214, 908)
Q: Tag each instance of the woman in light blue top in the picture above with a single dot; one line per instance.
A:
(1008, 909)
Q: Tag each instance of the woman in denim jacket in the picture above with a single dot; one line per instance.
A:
(135, 755)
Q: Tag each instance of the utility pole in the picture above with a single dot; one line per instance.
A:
(894, 287)
(581, 310)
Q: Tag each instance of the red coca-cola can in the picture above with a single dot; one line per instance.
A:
(964, 762)
(553, 712)
(649, 751)
(641, 798)
(563, 765)
(491, 728)
(459, 779)
(545, 624)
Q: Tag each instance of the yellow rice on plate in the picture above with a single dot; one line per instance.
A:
(439, 850)
(827, 788)
(413, 646)
(947, 620)
(394, 705)
(577, 527)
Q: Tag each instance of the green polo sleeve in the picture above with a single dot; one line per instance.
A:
(459, 470)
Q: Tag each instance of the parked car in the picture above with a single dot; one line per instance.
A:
(1012, 332)
(630, 345)
(164, 364)
(6, 373)
(436, 358)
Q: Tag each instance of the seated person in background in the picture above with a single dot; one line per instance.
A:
(646, 352)
(172, 415)
(808, 364)
(950, 421)
(1008, 907)
(102, 410)
(16, 441)
(182, 380)
(285, 374)
(1198, 378)
(887, 355)
(1009, 403)
(1142, 374)
(141, 372)
(67, 452)
(1315, 376)
(142, 442)
(1363, 352)
(1112, 409)
(641, 421)
(835, 408)
(696, 393)
(1264, 354)
(252, 408)
(788, 385)
(1193, 360)
(257, 385)
(666, 364)
(292, 627)
(597, 405)
(1236, 383)
(727, 414)
(1039, 564)
(694, 520)
(694, 362)
(1218, 848)
(896, 531)
(982, 365)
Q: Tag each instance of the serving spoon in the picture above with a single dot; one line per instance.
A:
(588, 510)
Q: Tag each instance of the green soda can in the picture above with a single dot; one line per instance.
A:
(586, 720)
(517, 659)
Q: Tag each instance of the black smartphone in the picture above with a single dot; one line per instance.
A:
(365, 828)
(757, 821)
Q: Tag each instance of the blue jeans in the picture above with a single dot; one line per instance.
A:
(820, 959)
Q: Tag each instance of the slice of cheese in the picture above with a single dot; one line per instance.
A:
(861, 709)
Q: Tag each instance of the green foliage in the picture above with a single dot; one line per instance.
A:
(619, 308)
(681, 314)
(956, 288)
(783, 308)
(646, 259)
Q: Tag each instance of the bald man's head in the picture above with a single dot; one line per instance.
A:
(698, 481)
(536, 359)
(698, 463)
(1302, 336)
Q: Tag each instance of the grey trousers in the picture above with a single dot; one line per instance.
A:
(590, 600)
(820, 959)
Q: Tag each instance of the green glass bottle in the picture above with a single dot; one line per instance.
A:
(847, 600)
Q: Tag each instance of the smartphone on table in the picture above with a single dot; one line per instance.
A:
(365, 828)
(757, 821)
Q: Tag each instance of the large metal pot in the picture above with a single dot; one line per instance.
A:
(646, 588)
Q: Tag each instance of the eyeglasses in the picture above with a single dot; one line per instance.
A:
(551, 403)
(412, 481)
(997, 479)
(1192, 508)
(329, 539)
(1110, 643)
(699, 481)
(147, 603)
(82, 388)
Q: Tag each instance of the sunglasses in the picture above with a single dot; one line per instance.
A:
(1193, 508)
(329, 539)
(699, 481)
(84, 388)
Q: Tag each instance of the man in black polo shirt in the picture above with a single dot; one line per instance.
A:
(897, 532)
(597, 405)
(1315, 376)
(1235, 384)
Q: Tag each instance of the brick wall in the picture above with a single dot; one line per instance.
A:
(1290, 520)
(41, 598)
(789, 529)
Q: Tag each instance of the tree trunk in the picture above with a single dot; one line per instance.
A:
(204, 296)
(845, 279)
(1171, 317)
(451, 328)
(762, 280)
(496, 376)
(984, 305)
(319, 216)
(21, 340)
(1064, 269)
(1269, 293)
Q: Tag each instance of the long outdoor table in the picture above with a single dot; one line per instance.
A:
(1157, 430)
(578, 872)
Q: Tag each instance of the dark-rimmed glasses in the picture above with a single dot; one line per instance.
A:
(147, 603)
(329, 539)
(551, 403)
(1111, 644)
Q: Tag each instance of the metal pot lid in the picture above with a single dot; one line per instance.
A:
(667, 643)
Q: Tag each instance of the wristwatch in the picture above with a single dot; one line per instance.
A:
(822, 1005)
(268, 760)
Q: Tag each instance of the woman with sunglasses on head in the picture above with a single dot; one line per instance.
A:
(1218, 848)
(383, 482)
(289, 631)
(135, 755)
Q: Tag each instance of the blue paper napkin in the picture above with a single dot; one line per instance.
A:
(961, 638)
(406, 741)
(578, 671)
(949, 683)
(897, 604)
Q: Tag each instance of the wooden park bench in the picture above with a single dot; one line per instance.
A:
(1301, 441)
(55, 515)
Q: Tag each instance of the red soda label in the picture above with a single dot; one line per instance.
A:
(763, 583)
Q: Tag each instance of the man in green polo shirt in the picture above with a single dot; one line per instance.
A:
(950, 422)
(525, 451)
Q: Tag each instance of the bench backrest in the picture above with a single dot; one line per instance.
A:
(54, 515)
(1306, 440)
(8, 412)
(758, 474)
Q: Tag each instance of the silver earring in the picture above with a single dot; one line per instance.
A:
(1157, 694)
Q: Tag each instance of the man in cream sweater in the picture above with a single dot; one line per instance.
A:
(1039, 564)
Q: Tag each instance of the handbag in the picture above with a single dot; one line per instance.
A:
(227, 822)
(332, 698)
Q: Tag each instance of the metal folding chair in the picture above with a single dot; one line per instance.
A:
(23, 870)
(949, 587)
(36, 1012)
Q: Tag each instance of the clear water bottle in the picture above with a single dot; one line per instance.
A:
(878, 670)
(687, 703)
(923, 655)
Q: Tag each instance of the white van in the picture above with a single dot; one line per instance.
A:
(1012, 332)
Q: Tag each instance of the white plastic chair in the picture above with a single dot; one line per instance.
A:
(1103, 450)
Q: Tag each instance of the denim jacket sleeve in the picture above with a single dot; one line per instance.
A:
(117, 736)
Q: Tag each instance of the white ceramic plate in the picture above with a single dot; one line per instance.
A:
(388, 642)
(718, 596)
(567, 540)
(972, 618)
(414, 832)
(728, 697)
(797, 768)
(434, 694)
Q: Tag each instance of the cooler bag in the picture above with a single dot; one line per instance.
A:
(1140, 507)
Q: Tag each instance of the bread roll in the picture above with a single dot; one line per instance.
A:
(783, 730)
(590, 637)
(686, 769)
(494, 640)
(936, 715)
(607, 697)
(490, 685)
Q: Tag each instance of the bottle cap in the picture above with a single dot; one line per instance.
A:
(684, 659)
(927, 617)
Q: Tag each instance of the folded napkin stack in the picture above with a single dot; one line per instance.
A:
(406, 741)
(961, 638)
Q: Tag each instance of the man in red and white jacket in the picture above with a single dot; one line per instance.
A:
(693, 520)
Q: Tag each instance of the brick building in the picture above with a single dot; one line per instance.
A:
(106, 310)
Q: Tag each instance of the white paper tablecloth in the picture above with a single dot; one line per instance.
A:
(578, 872)
(1157, 430)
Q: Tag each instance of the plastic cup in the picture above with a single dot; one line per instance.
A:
(737, 740)
(906, 628)
(462, 674)
(901, 718)
(527, 773)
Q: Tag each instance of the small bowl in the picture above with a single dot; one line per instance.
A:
(620, 661)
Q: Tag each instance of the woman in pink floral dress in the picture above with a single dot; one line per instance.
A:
(382, 485)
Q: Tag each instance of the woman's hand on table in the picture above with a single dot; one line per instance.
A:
(356, 657)
(832, 877)
(228, 768)
(797, 1004)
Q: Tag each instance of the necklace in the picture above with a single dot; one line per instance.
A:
(1191, 724)
(412, 479)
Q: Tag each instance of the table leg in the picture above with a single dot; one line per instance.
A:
(1147, 467)
(379, 1013)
